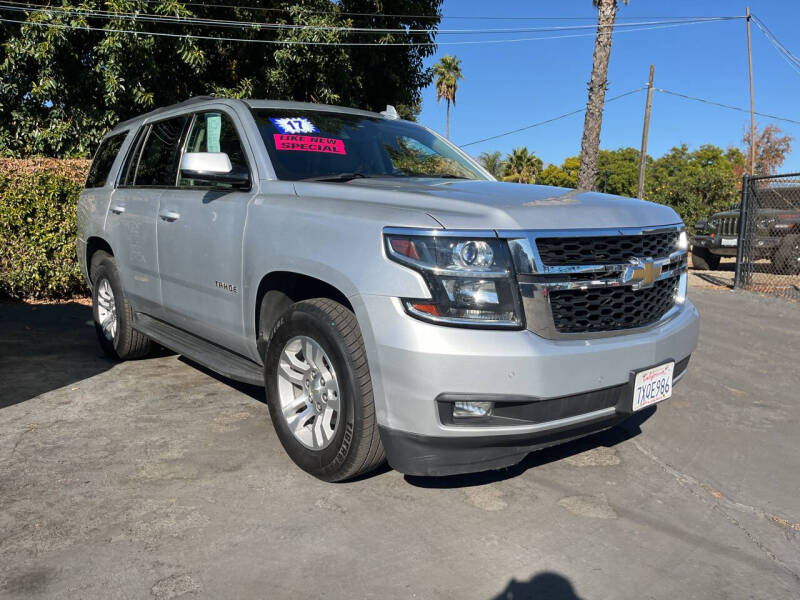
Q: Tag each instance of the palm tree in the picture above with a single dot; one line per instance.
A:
(492, 162)
(521, 166)
(447, 72)
(590, 143)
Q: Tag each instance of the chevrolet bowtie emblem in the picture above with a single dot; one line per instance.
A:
(642, 272)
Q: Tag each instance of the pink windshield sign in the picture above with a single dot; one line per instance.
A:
(308, 143)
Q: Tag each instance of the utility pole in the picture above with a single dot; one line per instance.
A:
(645, 132)
(752, 113)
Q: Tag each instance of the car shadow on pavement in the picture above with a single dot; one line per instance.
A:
(626, 430)
(254, 391)
(542, 586)
(44, 347)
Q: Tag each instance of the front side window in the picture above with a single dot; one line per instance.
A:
(306, 144)
(158, 163)
(104, 160)
(215, 132)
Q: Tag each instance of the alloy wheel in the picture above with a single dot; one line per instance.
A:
(308, 391)
(107, 310)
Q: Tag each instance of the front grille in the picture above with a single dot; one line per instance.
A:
(611, 308)
(728, 226)
(605, 249)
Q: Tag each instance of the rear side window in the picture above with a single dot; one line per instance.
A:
(104, 159)
(132, 160)
(158, 163)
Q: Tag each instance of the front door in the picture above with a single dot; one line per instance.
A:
(200, 230)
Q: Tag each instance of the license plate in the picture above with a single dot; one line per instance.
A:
(652, 385)
(729, 241)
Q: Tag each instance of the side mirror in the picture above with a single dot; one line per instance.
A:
(701, 224)
(214, 167)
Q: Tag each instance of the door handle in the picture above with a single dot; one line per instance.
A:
(117, 210)
(169, 215)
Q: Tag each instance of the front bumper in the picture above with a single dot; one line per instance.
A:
(415, 363)
(761, 245)
(414, 454)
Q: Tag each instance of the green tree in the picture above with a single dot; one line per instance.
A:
(618, 171)
(521, 166)
(447, 73)
(696, 184)
(565, 176)
(63, 82)
(590, 142)
(492, 162)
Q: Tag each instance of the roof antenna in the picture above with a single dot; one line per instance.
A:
(390, 112)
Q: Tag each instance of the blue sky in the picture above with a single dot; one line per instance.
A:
(511, 85)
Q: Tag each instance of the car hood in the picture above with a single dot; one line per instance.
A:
(459, 204)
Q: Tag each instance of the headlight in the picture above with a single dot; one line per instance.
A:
(683, 241)
(766, 222)
(470, 278)
(713, 223)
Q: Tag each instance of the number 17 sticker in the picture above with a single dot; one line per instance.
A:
(294, 125)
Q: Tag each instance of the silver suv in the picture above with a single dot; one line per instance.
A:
(395, 301)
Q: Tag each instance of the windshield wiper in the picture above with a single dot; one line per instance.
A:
(339, 177)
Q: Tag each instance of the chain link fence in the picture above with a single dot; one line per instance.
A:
(768, 230)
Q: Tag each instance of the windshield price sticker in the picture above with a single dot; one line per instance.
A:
(309, 143)
(294, 125)
(652, 385)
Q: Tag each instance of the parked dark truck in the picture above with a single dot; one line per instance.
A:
(776, 232)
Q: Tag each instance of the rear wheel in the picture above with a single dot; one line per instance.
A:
(703, 259)
(113, 315)
(319, 391)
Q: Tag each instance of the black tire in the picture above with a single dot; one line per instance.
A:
(787, 258)
(355, 447)
(127, 343)
(703, 260)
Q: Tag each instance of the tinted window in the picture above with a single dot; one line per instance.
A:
(215, 132)
(158, 165)
(103, 159)
(129, 169)
(306, 144)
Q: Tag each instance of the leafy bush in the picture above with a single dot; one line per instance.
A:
(38, 198)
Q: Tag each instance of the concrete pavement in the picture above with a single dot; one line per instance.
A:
(156, 479)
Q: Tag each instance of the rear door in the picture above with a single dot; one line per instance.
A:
(200, 233)
(152, 167)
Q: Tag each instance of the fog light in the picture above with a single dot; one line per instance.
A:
(472, 409)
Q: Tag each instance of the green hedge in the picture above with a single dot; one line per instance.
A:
(38, 198)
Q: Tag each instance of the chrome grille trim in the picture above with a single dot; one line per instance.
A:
(537, 280)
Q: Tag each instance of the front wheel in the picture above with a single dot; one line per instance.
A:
(703, 259)
(787, 258)
(319, 391)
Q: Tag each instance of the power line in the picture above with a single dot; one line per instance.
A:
(545, 122)
(612, 99)
(793, 60)
(416, 16)
(316, 43)
(155, 18)
(728, 106)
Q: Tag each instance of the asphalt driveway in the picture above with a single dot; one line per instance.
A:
(158, 479)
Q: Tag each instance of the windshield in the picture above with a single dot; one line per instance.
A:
(310, 144)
